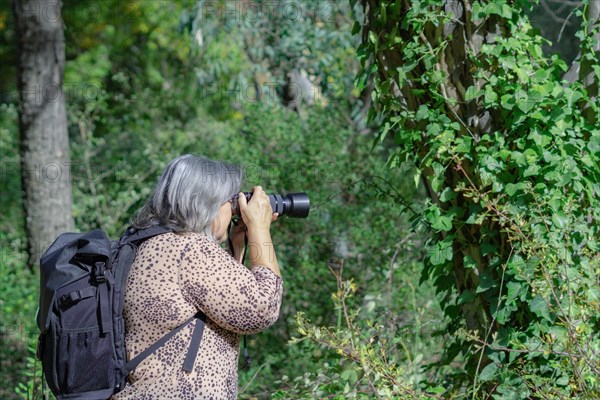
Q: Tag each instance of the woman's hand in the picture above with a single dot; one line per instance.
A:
(237, 237)
(257, 214)
(238, 233)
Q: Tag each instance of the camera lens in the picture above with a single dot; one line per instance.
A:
(293, 205)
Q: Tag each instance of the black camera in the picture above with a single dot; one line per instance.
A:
(294, 205)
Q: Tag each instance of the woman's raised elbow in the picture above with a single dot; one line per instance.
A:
(253, 320)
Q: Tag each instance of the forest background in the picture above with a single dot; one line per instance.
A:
(444, 257)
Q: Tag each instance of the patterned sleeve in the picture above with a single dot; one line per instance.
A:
(238, 299)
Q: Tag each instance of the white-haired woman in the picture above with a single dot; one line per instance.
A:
(177, 274)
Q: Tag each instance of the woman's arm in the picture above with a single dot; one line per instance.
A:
(238, 299)
(236, 241)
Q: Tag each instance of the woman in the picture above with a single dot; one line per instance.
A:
(175, 275)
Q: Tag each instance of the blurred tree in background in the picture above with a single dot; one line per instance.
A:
(44, 143)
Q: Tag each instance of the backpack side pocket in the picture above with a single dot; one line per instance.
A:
(84, 359)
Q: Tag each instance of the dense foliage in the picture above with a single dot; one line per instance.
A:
(508, 152)
(481, 198)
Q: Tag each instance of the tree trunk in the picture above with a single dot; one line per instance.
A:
(44, 142)
(464, 34)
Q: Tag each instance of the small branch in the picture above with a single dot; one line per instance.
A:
(487, 335)
(551, 13)
(524, 351)
(252, 379)
(390, 279)
(566, 23)
(389, 283)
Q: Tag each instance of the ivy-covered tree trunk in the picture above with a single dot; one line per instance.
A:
(462, 34)
(44, 143)
(505, 149)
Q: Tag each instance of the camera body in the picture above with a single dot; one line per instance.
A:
(293, 205)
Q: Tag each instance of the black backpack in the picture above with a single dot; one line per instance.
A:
(80, 317)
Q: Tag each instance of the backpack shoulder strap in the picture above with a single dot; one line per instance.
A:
(125, 252)
(138, 235)
(193, 348)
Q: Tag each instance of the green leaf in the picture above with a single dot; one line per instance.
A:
(560, 220)
(441, 252)
(531, 156)
(443, 223)
(447, 195)
(507, 101)
(384, 132)
(506, 11)
(525, 104)
(478, 11)
(417, 177)
(531, 170)
(349, 375)
(503, 314)
(466, 297)
(518, 158)
(422, 113)
(490, 96)
(409, 66)
(563, 380)
(463, 145)
(469, 262)
(539, 307)
(437, 220)
(490, 163)
(513, 188)
(515, 289)
(572, 97)
(488, 373)
(373, 38)
(486, 282)
(436, 390)
(472, 93)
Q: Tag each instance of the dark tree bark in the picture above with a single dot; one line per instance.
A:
(44, 143)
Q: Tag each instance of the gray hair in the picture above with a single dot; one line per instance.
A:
(189, 195)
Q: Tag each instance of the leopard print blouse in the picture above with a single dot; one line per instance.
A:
(172, 277)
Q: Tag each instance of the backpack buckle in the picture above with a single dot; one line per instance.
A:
(69, 298)
(100, 278)
(100, 270)
(76, 296)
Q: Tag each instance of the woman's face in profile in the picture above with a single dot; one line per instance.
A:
(220, 224)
